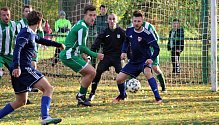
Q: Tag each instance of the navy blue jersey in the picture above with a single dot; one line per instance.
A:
(140, 43)
(25, 47)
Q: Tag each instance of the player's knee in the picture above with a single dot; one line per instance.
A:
(50, 88)
(148, 74)
(92, 73)
(119, 80)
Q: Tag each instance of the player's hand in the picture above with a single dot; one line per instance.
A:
(149, 61)
(16, 72)
(62, 47)
(100, 56)
(123, 56)
(85, 57)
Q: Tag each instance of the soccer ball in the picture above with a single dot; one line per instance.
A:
(133, 85)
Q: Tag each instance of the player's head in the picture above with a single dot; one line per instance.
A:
(90, 14)
(112, 20)
(26, 9)
(103, 9)
(34, 18)
(62, 14)
(176, 24)
(5, 14)
(137, 19)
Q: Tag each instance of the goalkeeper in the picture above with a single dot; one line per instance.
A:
(111, 40)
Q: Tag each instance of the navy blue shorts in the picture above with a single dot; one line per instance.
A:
(24, 83)
(134, 69)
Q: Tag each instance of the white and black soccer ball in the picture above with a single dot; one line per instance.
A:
(133, 85)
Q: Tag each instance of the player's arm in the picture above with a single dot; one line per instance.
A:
(20, 43)
(152, 41)
(47, 42)
(96, 45)
(16, 55)
(69, 25)
(82, 37)
(125, 46)
(156, 48)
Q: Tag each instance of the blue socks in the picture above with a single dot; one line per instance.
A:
(153, 84)
(6, 110)
(45, 105)
(122, 89)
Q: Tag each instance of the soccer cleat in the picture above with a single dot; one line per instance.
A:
(82, 101)
(91, 97)
(119, 98)
(164, 91)
(158, 101)
(50, 120)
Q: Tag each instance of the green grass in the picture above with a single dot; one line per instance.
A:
(182, 105)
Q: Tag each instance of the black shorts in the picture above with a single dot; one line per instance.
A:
(24, 83)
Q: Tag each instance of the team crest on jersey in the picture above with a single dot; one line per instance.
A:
(118, 36)
(139, 39)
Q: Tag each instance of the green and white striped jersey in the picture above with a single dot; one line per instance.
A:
(7, 37)
(21, 24)
(75, 41)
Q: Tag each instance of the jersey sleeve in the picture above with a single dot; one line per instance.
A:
(82, 38)
(125, 43)
(69, 24)
(47, 42)
(152, 41)
(21, 41)
(96, 45)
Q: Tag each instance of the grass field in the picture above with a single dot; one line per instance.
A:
(182, 105)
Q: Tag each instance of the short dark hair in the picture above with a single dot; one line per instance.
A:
(89, 8)
(34, 17)
(26, 6)
(138, 13)
(5, 9)
(175, 20)
(102, 6)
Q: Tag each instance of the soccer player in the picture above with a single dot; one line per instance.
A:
(24, 76)
(22, 24)
(155, 64)
(111, 40)
(62, 27)
(7, 38)
(176, 44)
(140, 41)
(74, 56)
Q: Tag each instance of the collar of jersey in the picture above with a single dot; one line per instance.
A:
(5, 24)
(30, 30)
(140, 31)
